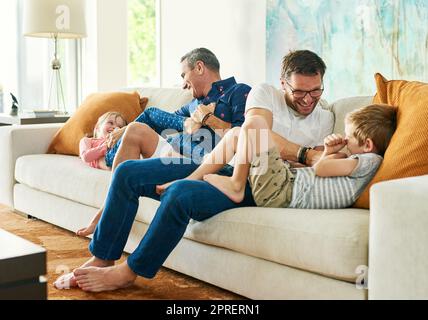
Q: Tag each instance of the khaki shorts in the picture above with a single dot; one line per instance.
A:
(272, 186)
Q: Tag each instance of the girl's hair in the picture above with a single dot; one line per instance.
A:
(377, 122)
(104, 117)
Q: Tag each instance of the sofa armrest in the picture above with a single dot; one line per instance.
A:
(398, 245)
(16, 141)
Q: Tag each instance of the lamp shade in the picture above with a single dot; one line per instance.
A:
(60, 18)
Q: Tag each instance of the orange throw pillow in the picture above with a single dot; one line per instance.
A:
(66, 140)
(407, 153)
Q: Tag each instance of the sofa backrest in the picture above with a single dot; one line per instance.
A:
(341, 107)
(169, 99)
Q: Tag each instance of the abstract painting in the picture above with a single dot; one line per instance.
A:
(355, 38)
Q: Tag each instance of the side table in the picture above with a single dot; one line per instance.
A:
(30, 118)
(22, 269)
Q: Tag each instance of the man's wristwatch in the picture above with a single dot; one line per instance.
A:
(204, 120)
(302, 154)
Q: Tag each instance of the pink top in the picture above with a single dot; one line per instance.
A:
(92, 150)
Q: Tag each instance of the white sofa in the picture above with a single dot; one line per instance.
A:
(256, 252)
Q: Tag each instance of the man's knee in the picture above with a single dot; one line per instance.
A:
(178, 202)
(136, 127)
(134, 131)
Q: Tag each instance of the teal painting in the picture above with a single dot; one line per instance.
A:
(356, 39)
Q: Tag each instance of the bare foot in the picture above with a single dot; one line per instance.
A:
(87, 231)
(92, 225)
(95, 279)
(68, 280)
(227, 186)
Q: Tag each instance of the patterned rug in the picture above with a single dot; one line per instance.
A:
(66, 251)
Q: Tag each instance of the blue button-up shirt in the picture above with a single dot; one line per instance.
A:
(230, 98)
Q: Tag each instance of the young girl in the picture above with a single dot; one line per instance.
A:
(93, 150)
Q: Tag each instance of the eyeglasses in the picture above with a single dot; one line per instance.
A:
(300, 94)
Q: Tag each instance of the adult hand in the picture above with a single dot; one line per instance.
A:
(115, 136)
(201, 111)
(191, 126)
(334, 143)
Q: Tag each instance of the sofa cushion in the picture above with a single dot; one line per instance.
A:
(168, 99)
(64, 176)
(343, 106)
(68, 177)
(329, 242)
(83, 121)
(407, 152)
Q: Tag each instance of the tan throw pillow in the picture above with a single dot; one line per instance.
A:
(66, 140)
(407, 153)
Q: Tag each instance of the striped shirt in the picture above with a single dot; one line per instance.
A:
(314, 192)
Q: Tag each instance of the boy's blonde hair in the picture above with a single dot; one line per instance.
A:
(104, 117)
(376, 122)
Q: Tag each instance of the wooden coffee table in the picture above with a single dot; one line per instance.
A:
(22, 269)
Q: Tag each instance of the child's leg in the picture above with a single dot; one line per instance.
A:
(215, 160)
(92, 225)
(138, 140)
(254, 139)
(221, 155)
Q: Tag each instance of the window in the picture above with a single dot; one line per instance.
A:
(143, 43)
(8, 61)
(26, 63)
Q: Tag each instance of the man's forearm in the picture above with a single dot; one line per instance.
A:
(288, 150)
(217, 124)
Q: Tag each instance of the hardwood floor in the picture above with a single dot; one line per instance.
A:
(67, 251)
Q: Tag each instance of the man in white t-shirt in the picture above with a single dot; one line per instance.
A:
(295, 112)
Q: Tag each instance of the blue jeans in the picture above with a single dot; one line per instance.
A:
(182, 201)
(156, 119)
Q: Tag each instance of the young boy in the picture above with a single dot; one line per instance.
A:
(335, 181)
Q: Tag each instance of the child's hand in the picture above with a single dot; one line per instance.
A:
(334, 143)
(191, 126)
(115, 136)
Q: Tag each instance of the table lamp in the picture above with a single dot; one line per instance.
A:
(56, 19)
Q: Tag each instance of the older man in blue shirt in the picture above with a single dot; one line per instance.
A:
(133, 179)
(218, 105)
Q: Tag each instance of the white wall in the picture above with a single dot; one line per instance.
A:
(105, 48)
(235, 30)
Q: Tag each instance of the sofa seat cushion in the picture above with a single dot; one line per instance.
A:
(328, 242)
(65, 176)
(68, 177)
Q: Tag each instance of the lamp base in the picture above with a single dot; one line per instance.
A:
(56, 77)
(56, 92)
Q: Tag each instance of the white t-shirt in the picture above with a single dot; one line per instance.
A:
(308, 131)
